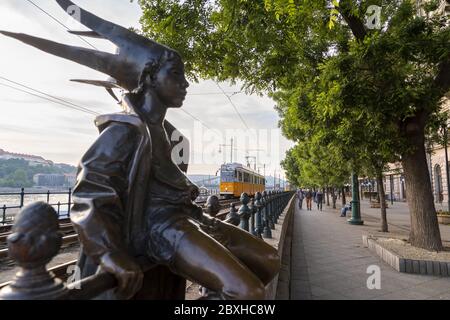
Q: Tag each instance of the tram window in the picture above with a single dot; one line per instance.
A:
(226, 176)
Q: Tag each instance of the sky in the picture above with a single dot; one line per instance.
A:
(31, 125)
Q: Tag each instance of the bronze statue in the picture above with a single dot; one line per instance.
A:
(131, 201)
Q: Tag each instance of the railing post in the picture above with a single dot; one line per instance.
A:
(59, 206)
(48, 196)
(258, 204)
(33, 281)
(272, 204)
(269, 211)
(22, 197)
(232, 216)
(69, 203)
(244, 212)
(278, 203)
(4, 214)
(212, 206)
(252, 217)
(267, 230)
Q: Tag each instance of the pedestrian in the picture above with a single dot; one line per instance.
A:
(308, 197)
(319, 199)
(300, 196)
(345, 209)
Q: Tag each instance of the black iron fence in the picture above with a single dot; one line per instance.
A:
(62, 207)
(8, 211)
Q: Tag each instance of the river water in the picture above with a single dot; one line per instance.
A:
(9, 200)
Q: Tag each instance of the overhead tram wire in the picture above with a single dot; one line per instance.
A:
(60, 23)
(232, 103)
(76, 106)
(48, 99)
(91, 45)
(213, 93)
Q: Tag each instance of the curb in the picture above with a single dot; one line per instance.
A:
(424, 267)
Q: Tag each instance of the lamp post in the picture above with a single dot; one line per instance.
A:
(392, 188)
(248, 162)
(231, 149)
(356, 212)
(446, 165)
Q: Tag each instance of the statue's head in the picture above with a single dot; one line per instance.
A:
(138, 64)
(166, 78)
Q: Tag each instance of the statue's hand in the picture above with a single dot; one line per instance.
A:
(126, 270)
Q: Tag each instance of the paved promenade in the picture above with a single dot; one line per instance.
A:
(329, 262)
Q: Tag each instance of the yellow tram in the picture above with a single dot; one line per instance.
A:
(236, 179)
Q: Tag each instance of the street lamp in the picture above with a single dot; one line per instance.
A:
(248, 162)
(356, 212)
(446, 165)
(392, 188)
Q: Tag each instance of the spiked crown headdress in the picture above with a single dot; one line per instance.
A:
(125, 67)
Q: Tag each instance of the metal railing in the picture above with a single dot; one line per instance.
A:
(269, 206)
(58, 206)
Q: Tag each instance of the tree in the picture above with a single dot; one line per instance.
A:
(397, 74)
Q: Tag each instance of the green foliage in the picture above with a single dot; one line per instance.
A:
(349, 100)
(16, 173)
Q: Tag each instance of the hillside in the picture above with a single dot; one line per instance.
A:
(16, 173)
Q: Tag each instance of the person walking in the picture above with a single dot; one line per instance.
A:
(308, 197)
(319, 199)
(300, 196)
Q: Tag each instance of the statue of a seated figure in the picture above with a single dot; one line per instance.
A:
(131, 201)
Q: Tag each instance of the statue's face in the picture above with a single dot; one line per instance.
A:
(171, 84)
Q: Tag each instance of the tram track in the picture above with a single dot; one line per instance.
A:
(71, 238)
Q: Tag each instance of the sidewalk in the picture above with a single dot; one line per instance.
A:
(329, 262)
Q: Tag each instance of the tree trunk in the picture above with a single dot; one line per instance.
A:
(344, 202)
(424, 231)
(382, 197)
(333, 197)
(328, 196)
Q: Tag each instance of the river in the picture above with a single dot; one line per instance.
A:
(7, 199)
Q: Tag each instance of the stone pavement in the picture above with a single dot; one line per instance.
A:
(328, 261)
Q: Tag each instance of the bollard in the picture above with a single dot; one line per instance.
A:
(232, 216)
(244, 212)
(258, 204)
